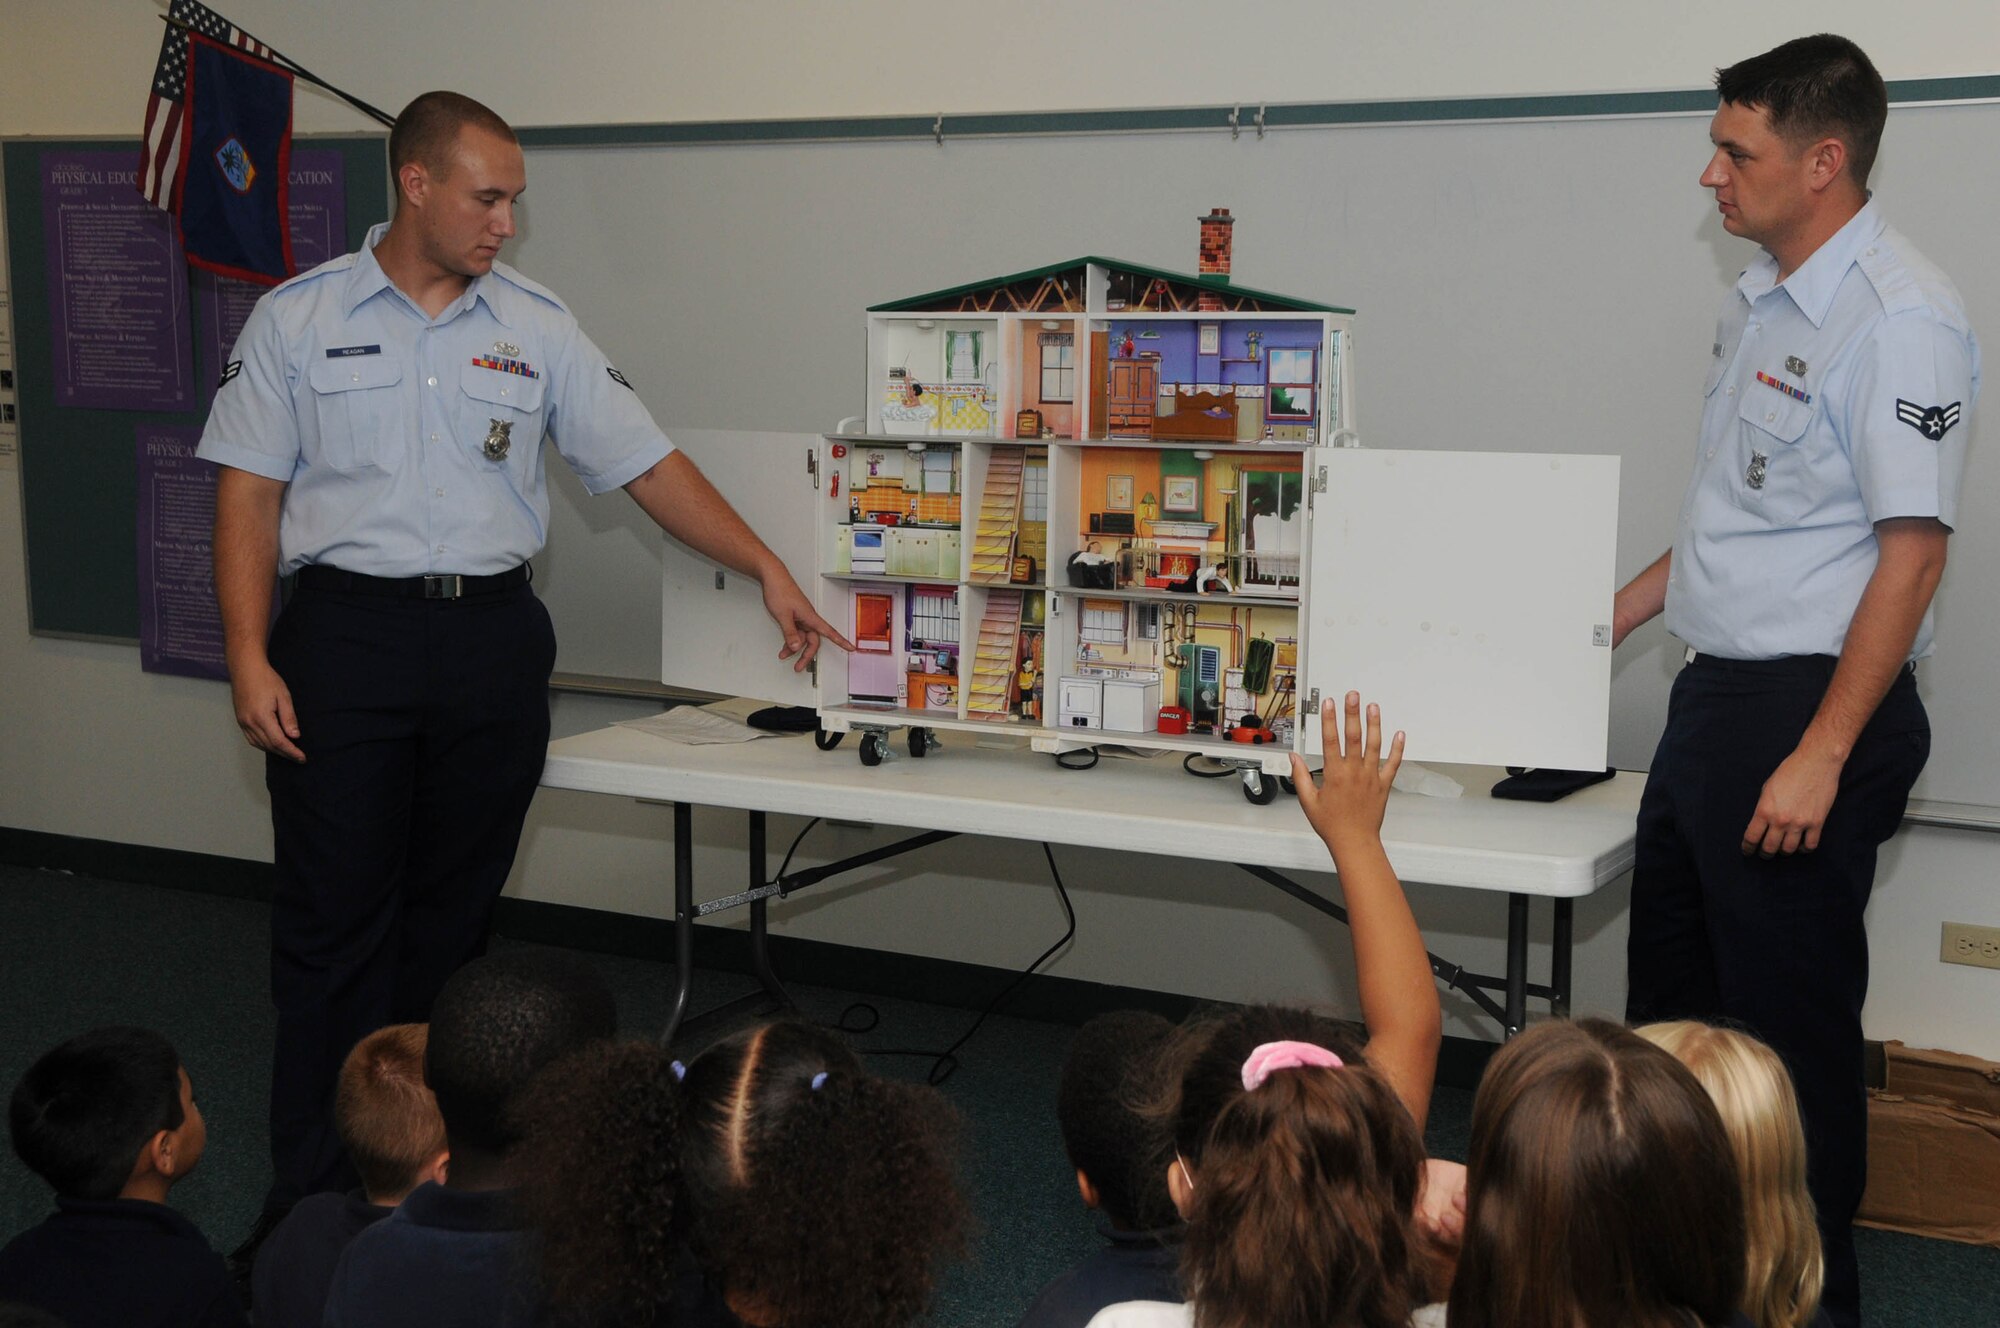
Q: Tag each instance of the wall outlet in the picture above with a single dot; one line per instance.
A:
(1967, 944)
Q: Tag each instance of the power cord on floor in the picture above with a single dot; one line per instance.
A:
(945, 1063)
(861, 1017)
(1215, 770)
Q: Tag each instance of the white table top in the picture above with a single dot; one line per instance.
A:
(1562, 849)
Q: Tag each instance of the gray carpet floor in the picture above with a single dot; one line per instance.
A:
(77, 952)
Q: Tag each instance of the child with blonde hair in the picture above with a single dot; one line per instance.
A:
(388, 1121)
(1760, 1113)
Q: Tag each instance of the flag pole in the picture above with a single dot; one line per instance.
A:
(301, 71)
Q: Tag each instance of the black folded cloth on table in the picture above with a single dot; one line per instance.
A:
(784, 719)
(1525, 785)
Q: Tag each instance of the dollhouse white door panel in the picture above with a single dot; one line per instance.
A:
(1468, 593)
(717, 638)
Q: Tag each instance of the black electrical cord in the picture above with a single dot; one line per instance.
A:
(797, 839)
(1063, 759)
(945, 1063)
(1219, 772)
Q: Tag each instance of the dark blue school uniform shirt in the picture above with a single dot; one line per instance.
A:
(1133, 1265)
(120, 1263)
(445, 1257)
(295, 1265)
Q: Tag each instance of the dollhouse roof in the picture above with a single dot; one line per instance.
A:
(1059, 288)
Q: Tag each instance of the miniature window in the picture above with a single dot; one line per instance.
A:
(1103, 622)
(1058, 366)
(934, 616)
(1289, 382)
(1035, 492)
(940, 470)
(961, 357)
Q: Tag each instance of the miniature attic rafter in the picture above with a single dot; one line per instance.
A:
(1130, 288)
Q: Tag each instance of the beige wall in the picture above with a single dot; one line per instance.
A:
(91, 746)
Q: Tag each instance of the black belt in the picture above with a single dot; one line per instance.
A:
(448, 585)
(1785, 666)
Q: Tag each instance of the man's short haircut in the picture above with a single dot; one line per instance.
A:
(1814, 88)
(428, 128)
(387, 1119)
(497, 1023)
(82, 1113)
(1107, 1072)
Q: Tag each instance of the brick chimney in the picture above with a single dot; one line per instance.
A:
(1215, 252)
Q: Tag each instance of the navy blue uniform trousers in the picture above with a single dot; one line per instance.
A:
(1777, 947)
(425, 724)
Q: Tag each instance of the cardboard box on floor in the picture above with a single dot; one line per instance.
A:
(1934, 1147)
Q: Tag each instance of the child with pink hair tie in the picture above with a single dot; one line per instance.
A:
(1298, 1156)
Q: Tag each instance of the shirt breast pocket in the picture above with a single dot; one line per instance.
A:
(1774, 477)
(502, 423)
(357, 403)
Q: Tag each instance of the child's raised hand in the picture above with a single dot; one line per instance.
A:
(1355, 783)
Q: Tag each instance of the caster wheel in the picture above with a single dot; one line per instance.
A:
(825, 741)
(921, 742)
(1259, 788)
(872, 749)
(1285, 783)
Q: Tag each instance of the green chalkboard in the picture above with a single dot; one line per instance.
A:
(78, 475)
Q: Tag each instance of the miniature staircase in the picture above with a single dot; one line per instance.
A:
(999, 518)
(991, 692)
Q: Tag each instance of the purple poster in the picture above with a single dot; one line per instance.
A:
(180, 626)
(319, 232)
(118, 299)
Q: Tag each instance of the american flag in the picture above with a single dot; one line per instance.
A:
(161, 155)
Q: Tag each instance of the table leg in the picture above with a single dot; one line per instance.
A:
(1517, 964)
(1559, 959)
(760, 934)
(683, 919)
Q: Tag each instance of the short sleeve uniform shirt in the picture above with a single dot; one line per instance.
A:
(413, 444)
(1837, 398)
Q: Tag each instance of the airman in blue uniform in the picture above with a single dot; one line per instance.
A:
(1810, 543)
(381, 431)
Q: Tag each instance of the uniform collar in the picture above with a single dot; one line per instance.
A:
(1818, 279)
(109, 1214)
(367, 279)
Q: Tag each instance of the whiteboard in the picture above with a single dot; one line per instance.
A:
(1546, 286)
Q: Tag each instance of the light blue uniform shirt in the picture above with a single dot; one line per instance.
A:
(1839, 398)
(378, 417)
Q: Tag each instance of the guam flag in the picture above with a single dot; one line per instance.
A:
(231, 192)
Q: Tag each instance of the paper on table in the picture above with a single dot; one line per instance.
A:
(697, 726)
(1414, 778)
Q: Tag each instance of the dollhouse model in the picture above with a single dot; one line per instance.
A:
(1076, 507)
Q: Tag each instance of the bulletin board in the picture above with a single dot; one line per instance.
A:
(78, 475)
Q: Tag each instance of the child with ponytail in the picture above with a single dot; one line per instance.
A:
(1298, 1149)
(809, 1192)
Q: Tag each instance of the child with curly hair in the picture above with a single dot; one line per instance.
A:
(1298, 1152)
(810, 1191)
(1760, 1112)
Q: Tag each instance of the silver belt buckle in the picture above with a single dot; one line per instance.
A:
(449, 585)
